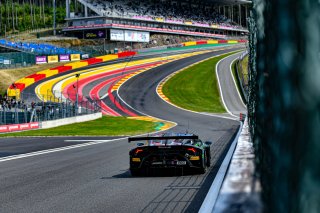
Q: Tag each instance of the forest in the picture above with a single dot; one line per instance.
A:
(21, 15)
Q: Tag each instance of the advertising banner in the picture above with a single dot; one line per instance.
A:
(64, 57)
(19, 127)
(41, 59)
(6, 61)
(116, 35)
(95, 34)
(75, 57)
(143, 36)
(137, 36)
(159, 19)
(85, 56)
(53, 58)
(130, 36)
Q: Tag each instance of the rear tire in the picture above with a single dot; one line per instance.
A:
(136, 172)
(203, 170)
(208, 157)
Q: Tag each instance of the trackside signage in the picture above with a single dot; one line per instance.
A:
(19, 127)
(64, 57)
(41, 59)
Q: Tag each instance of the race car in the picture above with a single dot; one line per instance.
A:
(169, 150)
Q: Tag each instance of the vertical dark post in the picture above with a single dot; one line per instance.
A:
(54, 18)
(284, 107)
(67, 8)
(77, 94)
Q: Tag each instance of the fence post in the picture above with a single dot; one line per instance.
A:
(4, 116)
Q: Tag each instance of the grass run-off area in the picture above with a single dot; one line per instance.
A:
(105, 126)
(245, 70)
(196, 88)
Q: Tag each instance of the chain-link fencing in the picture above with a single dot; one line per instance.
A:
(16, 59)
(51, 106)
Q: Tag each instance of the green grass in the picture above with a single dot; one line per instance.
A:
(245, 69)
(196, 88)
(105, 126)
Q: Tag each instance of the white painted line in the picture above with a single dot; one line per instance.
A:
(220, 89)
(91, 142)
(202, 113)
(94, 142)
(212, 196)
(174, 123)
(14, 157)
(235, 83)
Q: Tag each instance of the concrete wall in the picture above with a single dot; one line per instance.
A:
(66, 121)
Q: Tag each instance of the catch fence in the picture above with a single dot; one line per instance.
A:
(50, 108)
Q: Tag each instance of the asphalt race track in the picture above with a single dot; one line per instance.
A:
(229, 92)
(96, 179)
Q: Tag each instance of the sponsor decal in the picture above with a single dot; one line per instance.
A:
(41, 59)
(85, 56)
(6, 61)
(129, 35)
(64, 57)
(136, 160)
(19, 127)
(194, 158)
(116, 35)
(75, 57)
(34, 125)
(14, 127)
(24, 126)
(96, 34)
(53, 58)
(3, 129)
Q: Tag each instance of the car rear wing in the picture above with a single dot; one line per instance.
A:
(163, 138)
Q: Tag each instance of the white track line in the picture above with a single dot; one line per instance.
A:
(220, 89)
(202, 113)
(14, 157)
(214, 190)
(235, 83)
(94, 142)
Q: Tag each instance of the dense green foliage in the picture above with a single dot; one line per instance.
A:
(20, 15)
(105, 126)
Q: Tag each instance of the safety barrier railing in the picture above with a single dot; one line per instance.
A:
(31, 111)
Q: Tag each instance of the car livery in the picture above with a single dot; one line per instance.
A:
(185, 151)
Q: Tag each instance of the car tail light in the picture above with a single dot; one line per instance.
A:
(138, 151)
(192, 150)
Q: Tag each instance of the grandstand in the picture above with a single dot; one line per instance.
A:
(35, 48)
(213, 19)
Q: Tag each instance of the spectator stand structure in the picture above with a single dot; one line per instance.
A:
(173, 17)
(35, 48)
(20, 54)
